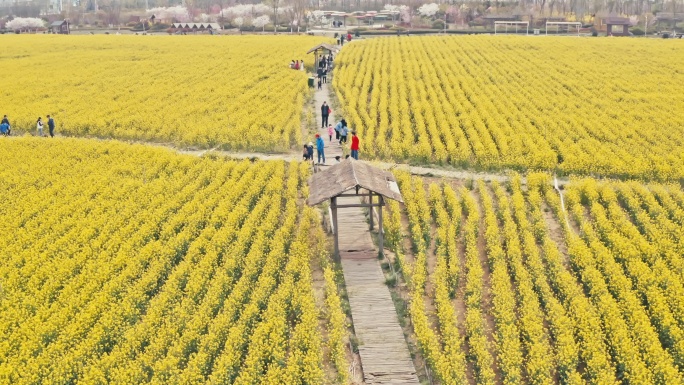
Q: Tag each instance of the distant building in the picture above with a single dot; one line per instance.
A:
(60, 27)
(197, 27)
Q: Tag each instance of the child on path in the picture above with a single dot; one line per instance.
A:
(320, 146)
(39, 126)
(320, 84)
(355, 146)
(330, 131)
(310, 152)
(305, 153)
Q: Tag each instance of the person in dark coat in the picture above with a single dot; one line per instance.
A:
(325, 111)
(51, 126)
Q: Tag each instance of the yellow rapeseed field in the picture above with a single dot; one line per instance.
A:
(234, 92)
(603, 106)
(508, 286)
(124, 264)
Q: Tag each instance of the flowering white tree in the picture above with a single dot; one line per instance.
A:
(261, 21)
(315, 17)
(243, 10)
(428, 10)
(393, 9)
(238, 21)
(206, 18)
(178, 12)
(405, 12)
(25, 23)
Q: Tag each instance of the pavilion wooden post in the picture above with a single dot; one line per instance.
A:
(381, 236)
(370, 200)
(336, 230)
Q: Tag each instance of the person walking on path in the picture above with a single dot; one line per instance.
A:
(51, 126)
(325, 111)
(338, 128)
(355, 146)
(320, 147)
(9, 126)
(39, 126)
(320, 84)
(349, 37)
(330, 131)
(325, 75)
(343, 134)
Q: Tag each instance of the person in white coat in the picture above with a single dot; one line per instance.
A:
(39, 126)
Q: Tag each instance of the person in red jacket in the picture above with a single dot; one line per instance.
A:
(349, 37)
(355, 146)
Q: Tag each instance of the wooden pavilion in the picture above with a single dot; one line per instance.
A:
(60, 27)
(617, 26)
(321, 49)
(349, 179)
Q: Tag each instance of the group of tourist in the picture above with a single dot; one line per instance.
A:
(6, 127)
(297, 65)
(341, 131)
(340, 40)
(324, 66)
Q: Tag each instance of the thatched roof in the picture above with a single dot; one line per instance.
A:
(348, 175)
(615, 20)
(323, 46)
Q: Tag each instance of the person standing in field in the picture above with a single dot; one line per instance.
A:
(39, 126)
(301, 66)
(9, 126)
(330, 131)
(325, 111)
(296, 67)
(4, 128)
(355, 146)
(51, 126)
(320, 147)
(292, 65)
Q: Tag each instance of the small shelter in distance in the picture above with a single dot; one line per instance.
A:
(320, 50)
(353, 175)
(617, 26)
(60, 26)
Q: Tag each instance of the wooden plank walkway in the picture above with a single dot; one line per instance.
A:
(385, 358)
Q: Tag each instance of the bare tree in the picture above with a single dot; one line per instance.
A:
(275, 4)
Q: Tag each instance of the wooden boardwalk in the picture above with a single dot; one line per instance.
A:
(385, 358)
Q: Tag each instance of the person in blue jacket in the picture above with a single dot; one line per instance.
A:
(320, 146)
